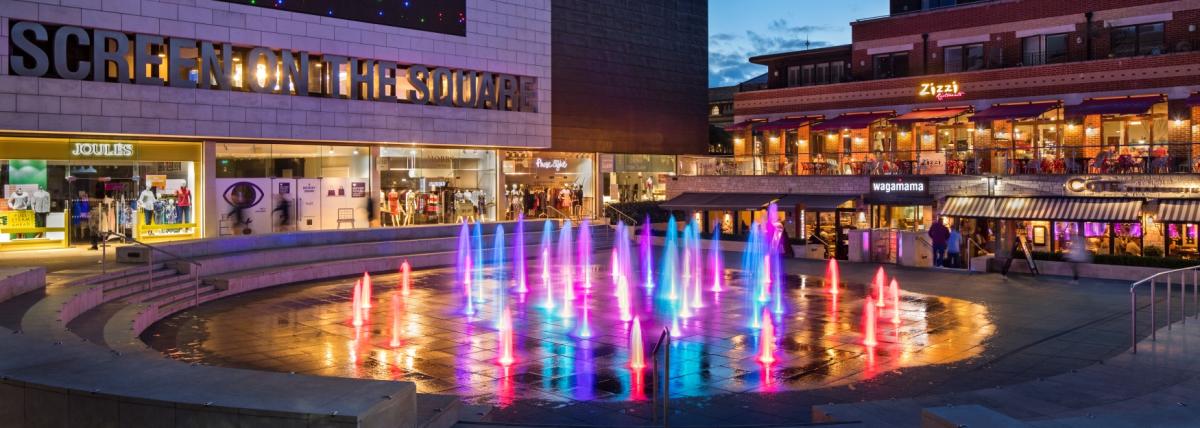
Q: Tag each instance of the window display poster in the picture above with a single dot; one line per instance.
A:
(358, 189)
(338, 208)
(17, 219)
(308, 204)
(29, 175)
(157, 181)
(242, 206)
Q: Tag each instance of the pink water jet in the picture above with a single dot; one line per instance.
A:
(585, 327)
(467, 287)
(405, 278)
(766, 343)
(366, 292)
(895, 290)
(549, 303)
(869, 323)
(357, 303)
(637, 358)
(395, 343)
(764, 292)
(506, 339)
(833, 276)
(880, 280)
(623, 297)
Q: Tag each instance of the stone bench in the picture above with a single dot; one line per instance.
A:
(17, 281)
(80, 384)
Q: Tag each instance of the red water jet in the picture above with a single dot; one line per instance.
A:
(880, 280)
(637, 359)
(405, 277)
(366, 291)
(766, 343)
(869, 323)
(395, 343)
(506, 339)
(833, 276)
(357, 304)
(895, 290)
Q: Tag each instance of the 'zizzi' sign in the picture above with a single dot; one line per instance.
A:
(69, 52)
(103, 150)
(940, 91)
(555, 164)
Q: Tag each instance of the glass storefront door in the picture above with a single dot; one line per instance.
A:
(551, 184)
(436, 186)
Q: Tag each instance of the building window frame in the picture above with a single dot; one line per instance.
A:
(884, 65)
(1136, 41)
(793, 76)
(1042, 54)
(970, 57)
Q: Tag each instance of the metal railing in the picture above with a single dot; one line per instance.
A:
(972, 244)
(150, 249)
(1152, 282)
(664, 343)
(610, 208)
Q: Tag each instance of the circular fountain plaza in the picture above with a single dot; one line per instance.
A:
(566, 322)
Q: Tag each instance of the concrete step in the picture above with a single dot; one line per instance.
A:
(967, 416)
(438, 410)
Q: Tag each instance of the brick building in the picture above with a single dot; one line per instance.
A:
(1070, 92)
(167, 119)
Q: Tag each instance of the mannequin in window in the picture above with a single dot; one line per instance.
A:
(146, 203)
(19, 200)
(393, 205)
(183, 203)
(39, 202)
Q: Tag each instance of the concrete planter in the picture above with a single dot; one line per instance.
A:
(1088, 270)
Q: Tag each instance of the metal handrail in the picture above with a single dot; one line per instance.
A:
(663, 338)
(971, 242)
(195, 271)
(1152, 281)
(632, 221)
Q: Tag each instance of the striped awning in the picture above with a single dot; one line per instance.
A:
(1045, 208)
(1179, 210)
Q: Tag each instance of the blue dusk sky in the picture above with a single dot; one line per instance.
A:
(740, 29)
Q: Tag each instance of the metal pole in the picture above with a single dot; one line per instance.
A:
(654, 395)
(1195, 294)
(150, 267)
(1133, 319)
(195, 285)
(1168, 301)
(667, 384)
(104, 256)
(1183, 297)
(1153, 316)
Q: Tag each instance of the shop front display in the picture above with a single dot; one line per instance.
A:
(266, 188)
(549, 184)
(635, 178)
(436, 186)
(75, 191)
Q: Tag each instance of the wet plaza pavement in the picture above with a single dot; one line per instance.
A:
(942, 343)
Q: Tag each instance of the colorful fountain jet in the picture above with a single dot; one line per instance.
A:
(477, 267)
(637, 356)
(500, 293)
(718, 261)
(519, 255)
(548, 285)
(833, 276)
(880, 280)
(356, 303)
(566, 261)
(585, 253)
(669, 271)
(366, 291)
(766, 341)
(506, 339)
(585, 326)
(405, 278)
(869, 339)
(647, 254)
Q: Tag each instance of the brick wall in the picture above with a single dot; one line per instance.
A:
(503, 36)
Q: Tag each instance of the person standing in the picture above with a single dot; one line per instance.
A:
(953, 245)
(1077, 254)
(938, 233)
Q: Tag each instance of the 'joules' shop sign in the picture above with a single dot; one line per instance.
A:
(69, 52)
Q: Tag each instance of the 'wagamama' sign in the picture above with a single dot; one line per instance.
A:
(69, 52)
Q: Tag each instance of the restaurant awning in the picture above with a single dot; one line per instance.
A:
(1179, 210)
(928, 115)
(1118, 106)
(814, 202)
(720, 201)
(786, 124)
(851, 121)
(1045, 208)
(1193, 100)
(1014, 111)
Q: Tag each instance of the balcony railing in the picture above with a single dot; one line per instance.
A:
(1159, 159)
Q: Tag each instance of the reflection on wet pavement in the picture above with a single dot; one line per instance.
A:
(307, 329)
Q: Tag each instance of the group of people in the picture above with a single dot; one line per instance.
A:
(947, 245)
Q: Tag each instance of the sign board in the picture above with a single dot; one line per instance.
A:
(102, 150)
(899, 186)
(1150, 185)
(40, 50)
(17, 219)
(940, 91)
(933, 163)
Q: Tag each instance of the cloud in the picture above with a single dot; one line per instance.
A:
(729, 53)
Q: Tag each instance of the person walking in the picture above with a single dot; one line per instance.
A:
(953, 249)
(939, 234)
(1077, 254)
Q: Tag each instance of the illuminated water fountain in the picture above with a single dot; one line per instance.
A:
(499, 267)
(356, 304)
(519, 255)
(366, 291)
(405, 278)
